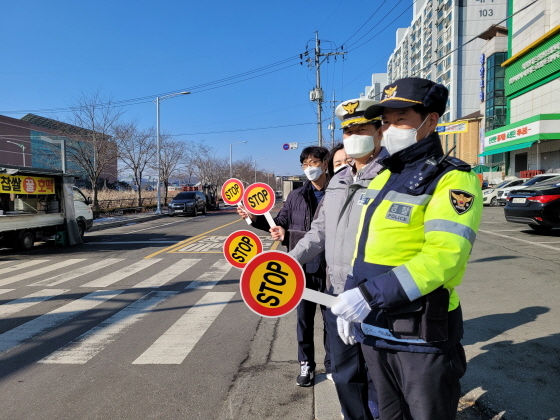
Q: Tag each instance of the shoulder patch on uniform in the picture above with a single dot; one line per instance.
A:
(461, 200)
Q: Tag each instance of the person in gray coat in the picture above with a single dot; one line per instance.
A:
(334, 231)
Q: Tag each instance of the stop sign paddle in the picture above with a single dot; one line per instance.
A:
(273, 284)
(232, 194)
(259, 199)
(241, 246)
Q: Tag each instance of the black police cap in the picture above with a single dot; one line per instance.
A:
(411, 91)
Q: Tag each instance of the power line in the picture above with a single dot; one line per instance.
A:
(241, 129)
(197, 88)
(364, 24)
(365, 42)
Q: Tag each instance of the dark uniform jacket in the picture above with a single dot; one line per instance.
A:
(296, 216)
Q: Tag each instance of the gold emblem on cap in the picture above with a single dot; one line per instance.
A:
(350, 107)
(390, 92)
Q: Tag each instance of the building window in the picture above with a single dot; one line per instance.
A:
(495, 94)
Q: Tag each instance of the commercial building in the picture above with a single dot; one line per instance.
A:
(529, 140)
(436, 46)
(35, 141)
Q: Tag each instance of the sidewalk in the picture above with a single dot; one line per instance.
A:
(128, 219)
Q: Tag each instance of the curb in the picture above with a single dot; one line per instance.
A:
(123, 222)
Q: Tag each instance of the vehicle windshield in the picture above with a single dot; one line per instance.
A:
(503, 184)
(186, 196)
(538, 180)
(550, 181)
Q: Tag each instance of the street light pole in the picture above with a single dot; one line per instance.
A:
(230, 167)
(22, 146)
(158, 152)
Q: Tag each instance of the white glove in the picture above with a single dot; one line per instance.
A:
(345, 331)
(351, 306)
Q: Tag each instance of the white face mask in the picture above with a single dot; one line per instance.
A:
(340, 168)
(396, 139)
(358, 146)
(313, 173)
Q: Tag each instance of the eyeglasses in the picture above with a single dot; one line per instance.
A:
(309, 163)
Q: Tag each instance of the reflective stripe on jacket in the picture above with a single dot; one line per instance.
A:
(417, 234)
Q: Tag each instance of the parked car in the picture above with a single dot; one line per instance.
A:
(190, 202)
(503, 192)
(538, 206)
(490, 195)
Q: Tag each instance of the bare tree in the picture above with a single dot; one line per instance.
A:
(136, 150)
(211, 170)
(89, 138)
(173, 155)
(244, 170)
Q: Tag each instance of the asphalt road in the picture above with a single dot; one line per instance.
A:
(145, 321)
(124, 326)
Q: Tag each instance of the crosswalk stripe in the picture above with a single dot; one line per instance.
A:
(25, 302)
(39, 271)
(177, 342)
(61, 278)
(168, 273)
(2, 291)
(25, 264)
(95, 340)
(211, 278)
(118, 275)
(17, 336)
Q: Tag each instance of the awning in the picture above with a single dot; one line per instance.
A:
(508, 148)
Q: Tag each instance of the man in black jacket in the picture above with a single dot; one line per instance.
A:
(295, 217)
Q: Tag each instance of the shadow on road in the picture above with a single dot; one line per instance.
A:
(484, 328)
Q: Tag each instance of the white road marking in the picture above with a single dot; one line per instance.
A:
(521, 240)
(211, 277)
(89, 344)
(118, 275)
(39, 271)
(177, 342)
(2, 291)
(17, 336)
(25, 264)
(61, 278)
(168, 273)
(25, 302)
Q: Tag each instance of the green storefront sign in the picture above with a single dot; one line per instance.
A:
(537, 64)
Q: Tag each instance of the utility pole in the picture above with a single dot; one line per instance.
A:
(317, 94)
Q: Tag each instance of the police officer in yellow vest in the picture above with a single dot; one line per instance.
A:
(413, 244)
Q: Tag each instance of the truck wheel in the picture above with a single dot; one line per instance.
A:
(81, 229)
(25, 241)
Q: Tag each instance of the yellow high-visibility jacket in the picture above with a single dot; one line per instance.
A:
(415, 236)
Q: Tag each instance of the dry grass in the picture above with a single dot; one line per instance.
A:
(110, 200)
(107, 194)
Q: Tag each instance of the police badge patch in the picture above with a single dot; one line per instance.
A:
(461, 200)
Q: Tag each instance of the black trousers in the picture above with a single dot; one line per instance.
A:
(306, 324)
(417, 386)
(350, 374)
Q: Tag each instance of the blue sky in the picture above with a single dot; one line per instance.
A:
(53, 51)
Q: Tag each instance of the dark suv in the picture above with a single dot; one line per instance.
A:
(190, 202)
